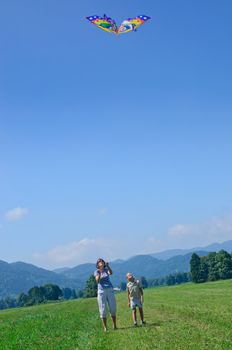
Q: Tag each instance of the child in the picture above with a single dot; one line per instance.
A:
(135, 297)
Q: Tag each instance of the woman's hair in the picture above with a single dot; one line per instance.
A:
(100, 260)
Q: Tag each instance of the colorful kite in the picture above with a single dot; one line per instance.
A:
(109, 25)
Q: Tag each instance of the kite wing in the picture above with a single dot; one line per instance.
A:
(132, 24)
(105, 23)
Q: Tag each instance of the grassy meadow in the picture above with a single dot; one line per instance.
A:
(179, 317)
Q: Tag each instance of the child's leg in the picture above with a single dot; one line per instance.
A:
(141, 313)
(134, 316)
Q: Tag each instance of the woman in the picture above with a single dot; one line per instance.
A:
(105, 292)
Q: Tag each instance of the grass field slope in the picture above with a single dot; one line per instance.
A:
(190, 316)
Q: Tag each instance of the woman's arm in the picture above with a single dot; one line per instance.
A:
(98, 277)
(109, 269)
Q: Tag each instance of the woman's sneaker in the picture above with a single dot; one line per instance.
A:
(143, 323)
(135, 324)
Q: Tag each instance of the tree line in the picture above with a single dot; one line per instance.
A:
(38, 295)
(90, 290)
(213, 267)
(170, 280)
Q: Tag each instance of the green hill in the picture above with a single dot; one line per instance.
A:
(191, 316)
(20, 277)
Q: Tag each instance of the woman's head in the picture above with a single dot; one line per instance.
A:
(100, 263)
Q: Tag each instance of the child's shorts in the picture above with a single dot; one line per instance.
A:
(135, 302)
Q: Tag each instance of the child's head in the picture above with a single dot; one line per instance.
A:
(130, 277)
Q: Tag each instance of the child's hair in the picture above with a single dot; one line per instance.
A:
(129, 274)
(100, 260)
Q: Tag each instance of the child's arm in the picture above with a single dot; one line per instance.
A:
(128, 295)
(142, 294)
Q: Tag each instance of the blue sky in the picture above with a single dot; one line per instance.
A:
(113, 145)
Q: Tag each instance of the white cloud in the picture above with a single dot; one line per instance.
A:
(79, 252)
(67, 253)
(213, 230)
(16, 214)
(179, 230)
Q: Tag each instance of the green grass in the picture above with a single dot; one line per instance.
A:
(181, 317)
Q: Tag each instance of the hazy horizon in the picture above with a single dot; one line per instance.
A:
(123, 259)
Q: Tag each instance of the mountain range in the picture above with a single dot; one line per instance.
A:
(19, 277)
(139, 265)
(215, 247)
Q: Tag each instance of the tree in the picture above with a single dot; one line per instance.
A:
(195, 268)
(52, 292)
(22, 299)
(122, 286)
(162, 281)
(10, 302)
(204, 270)
(91, 287)
(80, 293)
(224, 264)
(2, 304)
(35, 295)
(171, 280)
(74, 294)
(213, 274)
(67, 293)
(154, 282)
(143, 282)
